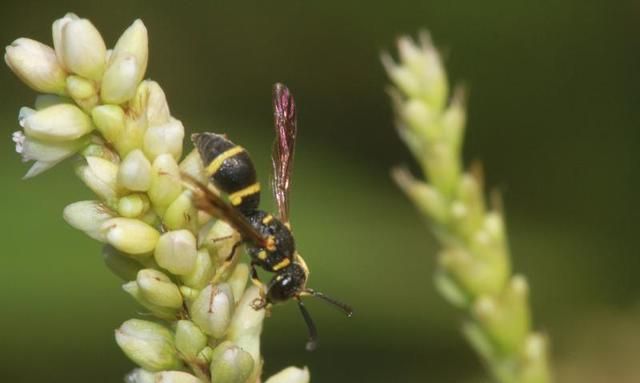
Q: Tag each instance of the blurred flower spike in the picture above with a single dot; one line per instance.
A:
(95, 105)
(474, 268)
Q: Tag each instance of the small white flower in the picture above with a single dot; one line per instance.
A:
(148, 344)
(130, 235)
(121, 80)
(166, 138)
(133, 42)
(36, 64)
(291, 375)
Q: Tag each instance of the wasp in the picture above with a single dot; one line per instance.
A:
(268, 239)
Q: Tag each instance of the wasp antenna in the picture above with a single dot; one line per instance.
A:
(342, 306)
(312, 343)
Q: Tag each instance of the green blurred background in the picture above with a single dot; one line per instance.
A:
(554, 115)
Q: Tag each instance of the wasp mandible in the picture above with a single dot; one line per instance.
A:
(268, 238)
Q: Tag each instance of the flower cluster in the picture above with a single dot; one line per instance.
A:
(96, 105)
(474, 269)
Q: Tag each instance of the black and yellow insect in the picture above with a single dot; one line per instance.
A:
(268, 239)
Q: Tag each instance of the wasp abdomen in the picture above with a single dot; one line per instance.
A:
(230, 169)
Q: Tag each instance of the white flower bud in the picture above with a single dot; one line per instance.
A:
(135, 171)
(62, 122)
(246, 324)
(176, 252)
(131, 236)
(190, 340)
(109, 120)
(56, 31)
(140, 375)
(133, 289)
(36, 65)
(166, 138)
(83, 91)
(166, 184)
(230, 364)
(201, 273)
(291, 375)
(176, 377)
(100, 175)
(158, 289)
(133, 205)
(132, 136)
(238, 280)
(151, 102)
(120, 80)
(181, 214)
(148, 344)
(192, 165)
(88, 216)
(133, 42)
(83, 49)
(212, 310)
(221, 239)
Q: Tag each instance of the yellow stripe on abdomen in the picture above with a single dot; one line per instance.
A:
(215, 164)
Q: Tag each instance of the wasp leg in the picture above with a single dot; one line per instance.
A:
(261, 302)
(228, 261)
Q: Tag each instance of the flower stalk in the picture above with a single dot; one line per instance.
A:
(474, 267)
(96, 106)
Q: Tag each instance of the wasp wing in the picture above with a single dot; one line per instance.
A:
(284, 116)
(206, 200)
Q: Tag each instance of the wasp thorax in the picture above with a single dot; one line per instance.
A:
(280, 247)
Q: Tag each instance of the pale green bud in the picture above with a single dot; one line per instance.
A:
(134, 290)
(100, 151)
(238, 280)
(121, 265)
(189, 294)
(476, 276)
(83, 49)
(88, 216)
(205, 354)
(453, 121)
(157, 288)
(83, 91)
(176, 377)
(135, 171)
(201, 273)
(56, 31)
(230, 364)
(46, 154)
(151, 102)
(535, 365)
(181, 214)
(100, 176)
(166, 184)
(190, 340)
(425, 197)
(134, 42)
(148, 344)
(421, 119)
(121, 80)
(246, 324)
(46, 100)
(165, 138)
(221, 239)
(109, 120)
(133, 135)
(212, 310)
(176, 251)
(36, 65)
(131, 236)
(291, 375)
(506, 319)
(192, 165)
(133, 205)
(140, 375)
(62, 122)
